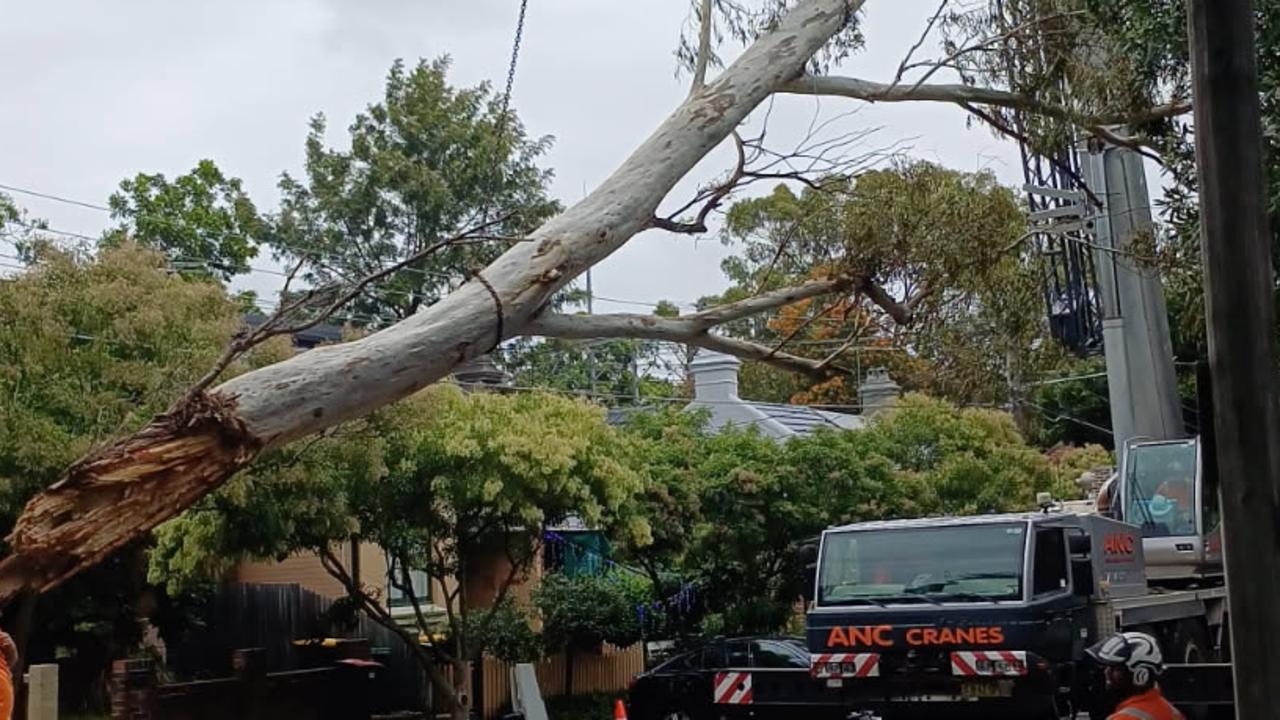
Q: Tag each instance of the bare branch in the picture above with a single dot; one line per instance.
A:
(859, 89)
(933, 21)
(425, 658)
(273, 327)
(768, 301)
(804, 326)
(848, 343)
(950, 60)
(678, 330)
(901, 313)
(704, 48)
(1062, 167)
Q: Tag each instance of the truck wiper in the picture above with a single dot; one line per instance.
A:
(908, 597)
(853, 601)
(970, 596)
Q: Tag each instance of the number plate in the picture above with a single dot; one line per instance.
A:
(979, 690)
(997, 667)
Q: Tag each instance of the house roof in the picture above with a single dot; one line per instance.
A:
(802, 420)
(306, 339)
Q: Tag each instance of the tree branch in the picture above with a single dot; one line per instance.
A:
(678, 330)
(427, 659)
(859, 89)
(704, 48)
(754, 305)
(902, 313)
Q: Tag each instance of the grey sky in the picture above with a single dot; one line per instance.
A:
(96, 91)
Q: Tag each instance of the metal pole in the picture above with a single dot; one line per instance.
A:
(1142, 384)
(1239, 289)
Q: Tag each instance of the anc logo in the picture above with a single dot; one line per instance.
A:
(882, 636)
(1118, 544)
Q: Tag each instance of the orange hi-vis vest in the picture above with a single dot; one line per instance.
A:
(6, 692)
(1150, 705)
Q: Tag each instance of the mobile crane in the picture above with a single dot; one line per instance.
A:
(993, 613)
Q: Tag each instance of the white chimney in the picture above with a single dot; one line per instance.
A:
(715, 376)
(878, 391)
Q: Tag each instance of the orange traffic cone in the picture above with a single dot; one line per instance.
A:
(619, 710)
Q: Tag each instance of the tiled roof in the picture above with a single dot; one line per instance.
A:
(803, 420)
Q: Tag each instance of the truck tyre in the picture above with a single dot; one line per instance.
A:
(1191, 645)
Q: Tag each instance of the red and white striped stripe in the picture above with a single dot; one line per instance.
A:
(732, 688)
(989, 663)
(861, 665)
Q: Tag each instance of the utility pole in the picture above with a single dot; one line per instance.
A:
(1239, 291)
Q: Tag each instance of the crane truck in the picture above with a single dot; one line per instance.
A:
(993, 613)
(990, 615)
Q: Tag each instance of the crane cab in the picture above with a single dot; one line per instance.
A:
(1162, 488)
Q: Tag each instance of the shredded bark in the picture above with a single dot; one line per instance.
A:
(124, 490)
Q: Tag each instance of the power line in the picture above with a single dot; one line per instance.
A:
(55, 198)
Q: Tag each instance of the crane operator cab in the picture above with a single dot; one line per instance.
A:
(1161, 488)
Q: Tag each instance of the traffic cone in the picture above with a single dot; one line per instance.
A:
(619, 710)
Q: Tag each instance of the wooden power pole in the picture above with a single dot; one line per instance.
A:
(1239, 296)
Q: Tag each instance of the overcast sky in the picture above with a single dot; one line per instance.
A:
(97, 91)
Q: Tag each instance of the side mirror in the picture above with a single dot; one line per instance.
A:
(1079, 544)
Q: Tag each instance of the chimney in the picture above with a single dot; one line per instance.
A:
(715, 376)
(877, 391)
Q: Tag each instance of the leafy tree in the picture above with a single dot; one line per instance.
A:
(1074, 412)
(202, 220)
(426, 163)
(580, 613)
(967, 460)
(435, 481)
(670, 444)
(92, 348)
(947, 294)
(733, 511)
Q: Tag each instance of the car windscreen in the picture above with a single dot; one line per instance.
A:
(922, 564)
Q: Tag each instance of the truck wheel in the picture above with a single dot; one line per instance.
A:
(1191, 645)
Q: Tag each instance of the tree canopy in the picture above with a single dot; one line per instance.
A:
(203, 220)
(435, 481)
(425, 163)
(93, 347)
(948, 295)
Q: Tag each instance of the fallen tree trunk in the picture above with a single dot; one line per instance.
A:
(128, 488)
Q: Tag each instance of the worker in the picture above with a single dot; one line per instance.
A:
(1132, 664)
(8, 661)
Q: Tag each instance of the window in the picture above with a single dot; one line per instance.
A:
(712, 657)
(420, 582)
(1160, 484)
(738, 655)
(774, 654)
(1050, 561)
(922, 564)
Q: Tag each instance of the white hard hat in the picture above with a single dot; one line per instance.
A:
(1136, 651)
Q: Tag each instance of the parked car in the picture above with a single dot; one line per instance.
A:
(685, 687)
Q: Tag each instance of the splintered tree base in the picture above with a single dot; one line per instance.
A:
(125, 490)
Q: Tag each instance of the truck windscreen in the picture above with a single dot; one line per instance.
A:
(960, 563)
(1160, 491)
